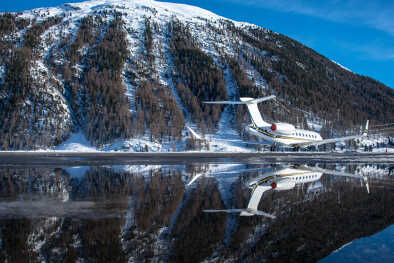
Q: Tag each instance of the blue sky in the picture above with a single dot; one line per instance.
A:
(358, 34)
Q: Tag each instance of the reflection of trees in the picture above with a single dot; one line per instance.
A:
(14, 235)
(101, 183)
(158, 200)
(34, 180)
(154, 201)
(310, 230)
(196, 233)
(167, 223)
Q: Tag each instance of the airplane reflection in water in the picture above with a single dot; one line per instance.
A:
(283, 179)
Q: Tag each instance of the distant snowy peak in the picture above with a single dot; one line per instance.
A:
(161, 10)
(132, 6)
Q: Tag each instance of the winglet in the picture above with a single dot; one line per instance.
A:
(365, 133)
(366, 183)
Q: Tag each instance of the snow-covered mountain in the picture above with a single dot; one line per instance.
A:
(131, 74)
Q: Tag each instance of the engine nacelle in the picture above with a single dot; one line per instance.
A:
(283, 128)
(284, 184)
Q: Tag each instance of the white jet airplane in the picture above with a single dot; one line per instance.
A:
(281, 133)
(283, 179)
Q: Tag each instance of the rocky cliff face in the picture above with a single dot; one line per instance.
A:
(130, 69)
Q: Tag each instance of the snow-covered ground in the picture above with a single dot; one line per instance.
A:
(76, 143)
(225, 140)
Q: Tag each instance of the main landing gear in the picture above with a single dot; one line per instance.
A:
(274, 148)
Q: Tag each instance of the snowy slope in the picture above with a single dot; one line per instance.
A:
(135, 15)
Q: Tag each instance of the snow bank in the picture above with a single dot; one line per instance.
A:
(76, 143)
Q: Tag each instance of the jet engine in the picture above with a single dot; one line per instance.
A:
(283, 184)
(283, 128)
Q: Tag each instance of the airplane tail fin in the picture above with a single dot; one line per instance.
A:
(365, 132)
(251, 103)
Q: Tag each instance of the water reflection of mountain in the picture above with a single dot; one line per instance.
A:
(125, 214)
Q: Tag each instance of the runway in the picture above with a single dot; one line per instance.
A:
(56, 159)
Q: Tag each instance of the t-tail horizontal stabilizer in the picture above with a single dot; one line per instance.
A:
(195, 135)
(244, 101)
(243, 212)
(251, 103)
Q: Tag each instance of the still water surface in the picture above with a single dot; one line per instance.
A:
(145, 213)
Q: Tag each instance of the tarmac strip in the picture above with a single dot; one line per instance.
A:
(57, 158)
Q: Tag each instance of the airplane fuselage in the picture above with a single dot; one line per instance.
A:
(287, 178)
(284, 179)
(284, 134)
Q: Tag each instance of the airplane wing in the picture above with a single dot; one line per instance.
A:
(326, 141)
(197, 136)
(241, 141)
(344, 174)
(326, 171)
(341, 139)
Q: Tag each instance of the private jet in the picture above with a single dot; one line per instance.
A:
(283, 179)
(280, 133)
